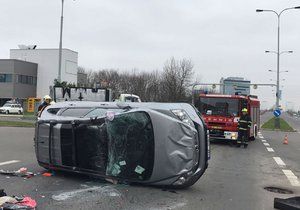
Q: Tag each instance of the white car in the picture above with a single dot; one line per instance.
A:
(11, 108)
(128, 98)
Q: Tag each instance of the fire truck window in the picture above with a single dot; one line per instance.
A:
(219, 106)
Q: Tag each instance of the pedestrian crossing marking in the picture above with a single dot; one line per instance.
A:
(291, 177)
(279, 161)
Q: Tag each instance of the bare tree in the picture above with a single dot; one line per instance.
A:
(170, 85)
(176, 79)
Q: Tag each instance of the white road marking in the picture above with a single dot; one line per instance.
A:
(261, 137)
(8, 162)
(263, 140)
(170, 206)
(267, 144)
(291, 177)
(104, 190)
(279, 161)
(270, 149)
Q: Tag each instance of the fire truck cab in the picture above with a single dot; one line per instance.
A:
(221, 114)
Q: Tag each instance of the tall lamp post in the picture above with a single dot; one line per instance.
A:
(277, 122)
(60, 41)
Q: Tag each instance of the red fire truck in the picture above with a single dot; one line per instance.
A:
(222, 112)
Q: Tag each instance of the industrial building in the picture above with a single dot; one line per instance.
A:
(30, 72)
(47, 60)
(18, 79)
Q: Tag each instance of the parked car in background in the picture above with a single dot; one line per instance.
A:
(10, 108)
(147, 143)
(125, 97)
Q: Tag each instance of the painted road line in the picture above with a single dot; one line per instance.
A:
(270, 149)
(267, 144)
(104, 190)
(8, 162)
(291, 177)
(279, 161)
(263, 140)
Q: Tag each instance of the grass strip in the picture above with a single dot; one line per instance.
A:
(16, 124)
(284, 126)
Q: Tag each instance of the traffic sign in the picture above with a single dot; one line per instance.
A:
(277, 112)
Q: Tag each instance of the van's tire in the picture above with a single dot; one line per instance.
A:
(19, 112)
(7, 112)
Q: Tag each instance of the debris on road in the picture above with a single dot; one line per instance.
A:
(16, 202)
(2, 193)
(48, 174)
(7, 199)
(22, 172)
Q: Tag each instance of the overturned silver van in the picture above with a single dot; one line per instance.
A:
(149, 143)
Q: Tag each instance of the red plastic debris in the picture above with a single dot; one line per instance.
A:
(27, 201)
(47, 174)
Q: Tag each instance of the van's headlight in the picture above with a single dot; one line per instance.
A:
(183, 116)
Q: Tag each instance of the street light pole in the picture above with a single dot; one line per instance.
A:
(277, 122)
(60, 41)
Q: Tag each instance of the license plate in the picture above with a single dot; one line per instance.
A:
(227, 135)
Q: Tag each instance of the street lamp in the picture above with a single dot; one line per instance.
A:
(60, 41)
(279, 71)
(277, 122)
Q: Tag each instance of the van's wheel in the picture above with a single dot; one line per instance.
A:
(7, 112)
(19, 112)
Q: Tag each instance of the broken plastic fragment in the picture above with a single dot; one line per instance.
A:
(47, 174)
(139, 169)
(115, 170)
(110, 115)
(122, 163)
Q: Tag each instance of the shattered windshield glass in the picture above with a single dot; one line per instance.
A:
(130, 146)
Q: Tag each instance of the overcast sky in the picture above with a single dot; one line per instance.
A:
(222, 38)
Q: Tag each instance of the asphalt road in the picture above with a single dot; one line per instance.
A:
(235, 179)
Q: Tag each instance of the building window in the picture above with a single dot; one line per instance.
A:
(5, 77)
(24, 79)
